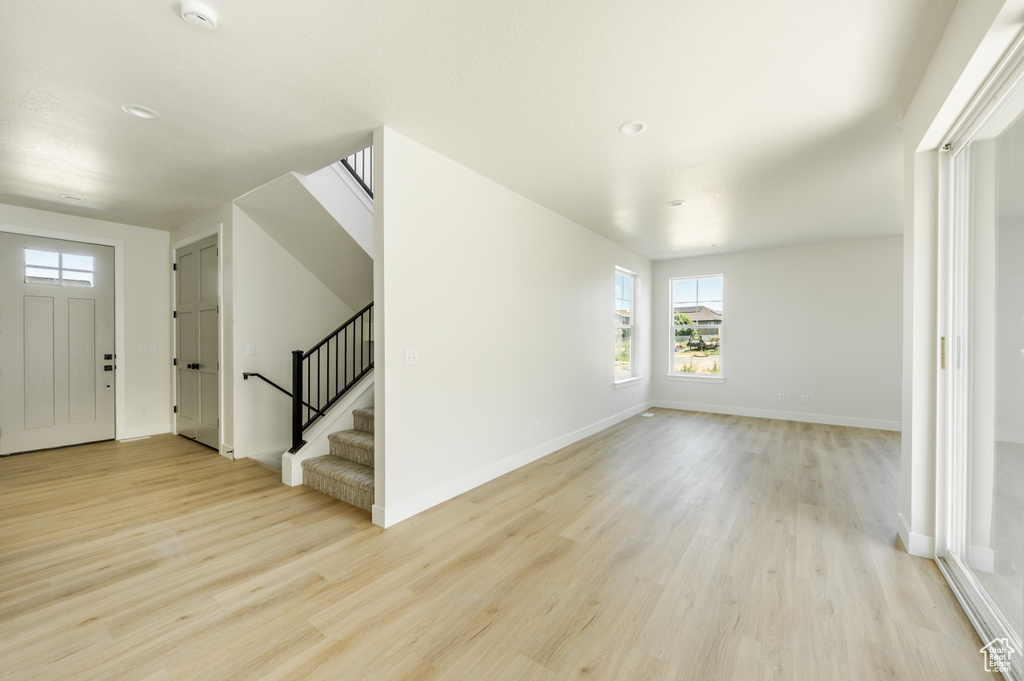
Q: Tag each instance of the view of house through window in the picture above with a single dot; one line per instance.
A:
(64, 269)
(624, 289)
(696, 325)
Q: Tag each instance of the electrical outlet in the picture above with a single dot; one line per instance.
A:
(536, 426)
(147, 347)
(412, 356)
(782, 397)
(250, 349)
(805, 399)
(145, 409)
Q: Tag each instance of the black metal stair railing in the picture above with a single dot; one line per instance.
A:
(328, 370)
(360, 165)
(323, 374)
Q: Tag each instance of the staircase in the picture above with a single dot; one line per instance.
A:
(347, 472)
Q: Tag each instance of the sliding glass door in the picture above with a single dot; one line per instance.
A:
(982, 367)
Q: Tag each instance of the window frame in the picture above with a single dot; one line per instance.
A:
(683, 376)
(634, 285)
(59, 270)
(997, 104)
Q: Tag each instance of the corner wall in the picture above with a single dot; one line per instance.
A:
(509, 306)
(822, 321)
(278, 306)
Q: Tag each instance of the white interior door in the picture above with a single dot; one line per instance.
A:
(197, 370)
(56, 343)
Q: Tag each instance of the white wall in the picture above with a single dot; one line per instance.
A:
(142, 309)
(822, 321)
(1009, 422)
(510, 308)
(279, 306)
(977, 35)
(1009, 303)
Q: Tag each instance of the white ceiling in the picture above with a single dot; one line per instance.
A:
(777, 122)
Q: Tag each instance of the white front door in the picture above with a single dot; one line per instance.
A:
(56, 343)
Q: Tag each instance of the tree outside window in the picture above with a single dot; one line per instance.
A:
(625, 289)
(696, 325)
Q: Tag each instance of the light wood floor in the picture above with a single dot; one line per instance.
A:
(682, 546)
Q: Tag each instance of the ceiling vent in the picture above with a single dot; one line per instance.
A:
(199, 14)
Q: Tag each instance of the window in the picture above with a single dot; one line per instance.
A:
(625, 290)
(696, 325)
(62, 269)
(981, 424)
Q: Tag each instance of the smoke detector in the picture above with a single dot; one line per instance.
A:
(199, 14)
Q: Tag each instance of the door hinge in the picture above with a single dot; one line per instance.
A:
(174, 266)
(175, 409)
(175, 314)
(175, 361)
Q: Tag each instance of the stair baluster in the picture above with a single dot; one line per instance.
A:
(320, 395)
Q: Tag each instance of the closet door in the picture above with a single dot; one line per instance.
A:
(197, 367)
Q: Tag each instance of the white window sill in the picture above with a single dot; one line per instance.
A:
(618, 385)
(697, 378)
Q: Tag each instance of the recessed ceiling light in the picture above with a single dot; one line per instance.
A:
(676, 203)
(199, 14)
(714, 245)
(72, 197)
(632, 127)
(141, 111)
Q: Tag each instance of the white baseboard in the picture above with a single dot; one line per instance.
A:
(386, 516)
(981, 558)
(150, 431)
(802, 417)
(272, 459)
(920, 545)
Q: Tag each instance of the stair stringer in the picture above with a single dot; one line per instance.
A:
(339, 417)
(285, 209)
(353, 209)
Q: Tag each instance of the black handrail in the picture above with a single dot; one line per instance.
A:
(313, 390)
(247, 374)
(360, 165)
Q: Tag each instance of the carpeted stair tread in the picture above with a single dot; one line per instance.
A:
(348, 481)
(339, 469)
(352, 445)
(362, 419)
